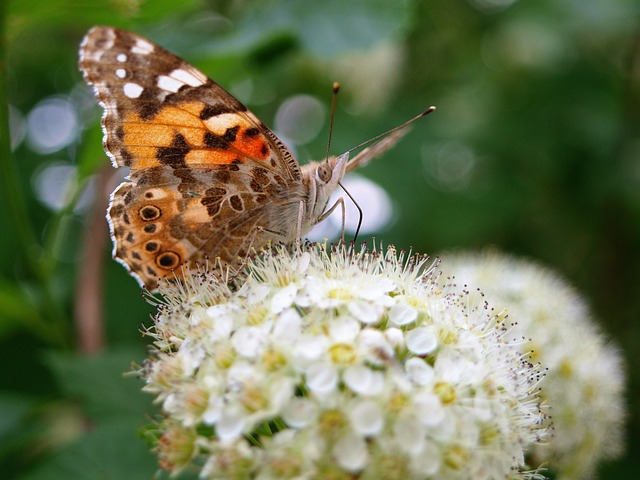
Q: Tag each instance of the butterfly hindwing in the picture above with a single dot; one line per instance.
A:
(164, 218)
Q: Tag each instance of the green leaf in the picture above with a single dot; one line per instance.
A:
(326, 28)
(101, 385)
(109, 452)
(15, 408)
(16, 307)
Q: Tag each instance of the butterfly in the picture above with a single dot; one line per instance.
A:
(208, 180)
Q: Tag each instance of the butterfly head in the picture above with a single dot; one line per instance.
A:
(321, 180)
(330, 172)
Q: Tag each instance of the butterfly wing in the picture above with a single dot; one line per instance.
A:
(205, 172)
(159, 110)
(377, 149)
(165, 218)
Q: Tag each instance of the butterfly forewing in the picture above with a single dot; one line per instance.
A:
(161, 110)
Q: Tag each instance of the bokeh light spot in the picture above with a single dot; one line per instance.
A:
(450, 166)
(300, 118)
(52, 125)
(17, 127)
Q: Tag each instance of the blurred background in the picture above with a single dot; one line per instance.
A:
(534, 150)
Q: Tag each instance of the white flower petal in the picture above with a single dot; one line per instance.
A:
(366, 418)
(248, 341)
(322, 377)
(428, 461)
(287, 326)
(280, 391)
(375, 346)
(222, 328)
(429, 408)
(365, 312)
(284, 298)
(401, 314)
(378, 291)
(409, 434)
(257, 292)
(299, 412)
(351, 453)
(363, 380)
(310, 348)
(303, 262)
(344, 330)
(214, 410)
(395, 337)
(240, 374)
(231, 424)
(191, 355)
(419, 371)
(421, 340)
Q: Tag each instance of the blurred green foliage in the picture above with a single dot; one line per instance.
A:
(534, 149)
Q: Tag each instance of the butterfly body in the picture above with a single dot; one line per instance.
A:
(207, 178)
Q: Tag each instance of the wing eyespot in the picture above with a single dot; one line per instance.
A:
(168, 260)
(149, 213)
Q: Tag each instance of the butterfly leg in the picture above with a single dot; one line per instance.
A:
(331, 209)
(245, 258)
(301, 210)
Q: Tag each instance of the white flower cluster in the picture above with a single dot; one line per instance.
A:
(330, 363)
(584, 384)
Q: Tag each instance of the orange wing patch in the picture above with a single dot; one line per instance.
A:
(178, 136)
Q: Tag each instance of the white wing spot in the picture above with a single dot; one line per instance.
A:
(142, 47)
(132, 90)
(169, 84)
(220, 123)
(121, 73)
(193, 78)
(121, 57)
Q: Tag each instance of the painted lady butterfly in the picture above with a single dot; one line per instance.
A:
(207, 178)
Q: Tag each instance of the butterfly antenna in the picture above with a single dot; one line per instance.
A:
(334, 98)
(394, 129)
